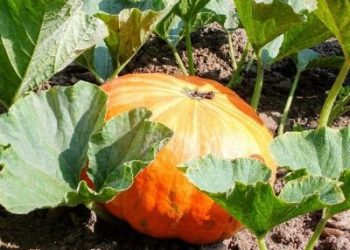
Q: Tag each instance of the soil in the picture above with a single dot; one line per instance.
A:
(79, 228)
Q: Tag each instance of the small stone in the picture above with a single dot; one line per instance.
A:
(328, 231)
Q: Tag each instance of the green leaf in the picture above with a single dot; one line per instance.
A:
(48, 137)
(129, 28)
(128, 32)
(336, 16)
(327, 61)
(266, 20)
(39, 38)
(304, 57)
(203, 171)
(295, 174)
(271, 50)
(127, 144)
(345, 179)
(253, 202)
(226, 9)
(188, 9)
(115, 7)
(302, 36)
(204, 18)
(171, 29)
(323, 152)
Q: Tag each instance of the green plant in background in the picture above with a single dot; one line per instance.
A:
(277, 29)
(130, 23)
(188, 16)
(302, 60)
(309, 59)
(336, 16)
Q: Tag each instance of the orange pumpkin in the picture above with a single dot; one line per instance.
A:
(206, 117)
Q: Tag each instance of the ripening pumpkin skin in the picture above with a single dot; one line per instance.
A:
(161, 202)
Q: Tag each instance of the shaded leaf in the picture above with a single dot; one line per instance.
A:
(171, 29)
(126, 145)
(188, 9)
(326, 61)
(304, 57)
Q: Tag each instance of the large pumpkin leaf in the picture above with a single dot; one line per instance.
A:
(39, 38)
(48, 137)
(266, 20)
(323, 152)
(240, 187)
(336, 16)
(130, 23)
(45, 140)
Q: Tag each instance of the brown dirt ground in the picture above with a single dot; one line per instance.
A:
(78, 228)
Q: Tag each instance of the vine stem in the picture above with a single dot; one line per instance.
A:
(231, 51)
(258, 82)
(189, 48)
(320, 226)
(262, 243)
(236, 75)
(289, 102)
(333, 93)
(178, 60)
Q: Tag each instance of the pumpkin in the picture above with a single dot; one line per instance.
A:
(205, 117)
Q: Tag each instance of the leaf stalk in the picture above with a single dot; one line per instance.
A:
(235, 79)
(189, 49)
(289, 102)
(333, 93)
(231, 51)
(258, 82)
(262, 243)
(178, 60)
(316, 235)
